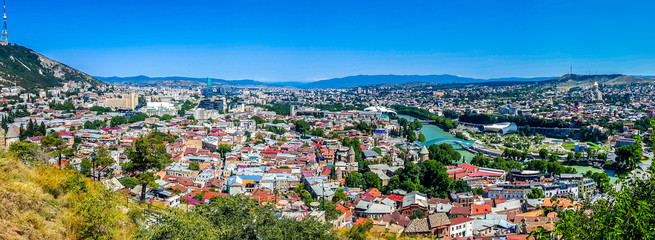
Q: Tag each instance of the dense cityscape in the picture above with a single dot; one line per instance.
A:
(382, 160)
(322, 120)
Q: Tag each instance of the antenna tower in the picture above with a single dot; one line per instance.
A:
(4, 40)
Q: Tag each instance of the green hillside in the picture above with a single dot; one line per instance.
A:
(29, 69)
(45, 202)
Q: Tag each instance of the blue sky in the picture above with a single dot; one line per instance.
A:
(312, 40)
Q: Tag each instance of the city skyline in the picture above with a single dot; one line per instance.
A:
(299, 41)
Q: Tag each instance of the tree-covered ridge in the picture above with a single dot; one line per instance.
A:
(31, 70)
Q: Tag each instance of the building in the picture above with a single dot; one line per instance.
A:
(586, 186)
(596, 95)
(414, 201)
(509, 110)
(511, 191)
(500, 128)
(424, 154)
(216, 103)
(127, 101)
(160, 109)
(461, 227)
(435, 224)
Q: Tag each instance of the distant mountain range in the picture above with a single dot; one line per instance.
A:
(345, 82)
(146, 79)
(28, 69)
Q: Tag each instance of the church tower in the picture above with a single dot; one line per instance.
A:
(424, 154)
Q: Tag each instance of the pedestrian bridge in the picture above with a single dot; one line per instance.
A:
(450, 140)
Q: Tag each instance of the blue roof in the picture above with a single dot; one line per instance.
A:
(380, 131)
(251, 177)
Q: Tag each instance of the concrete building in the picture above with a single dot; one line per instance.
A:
(127, 101)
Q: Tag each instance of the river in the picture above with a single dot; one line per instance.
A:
(432, 133)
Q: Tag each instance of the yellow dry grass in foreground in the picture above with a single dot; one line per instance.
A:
(38, 203)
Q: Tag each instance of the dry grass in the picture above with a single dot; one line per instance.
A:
(33, 204)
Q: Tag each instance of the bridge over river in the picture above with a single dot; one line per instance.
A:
(437, 141)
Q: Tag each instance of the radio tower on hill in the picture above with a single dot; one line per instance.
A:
(4, 40)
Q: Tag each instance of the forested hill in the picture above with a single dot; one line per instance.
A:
(30, 70)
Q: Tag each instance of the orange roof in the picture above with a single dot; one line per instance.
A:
(344, 210)
(480, 209)
(535, 213)
(361, 221)
(374, 192)
(562, 203)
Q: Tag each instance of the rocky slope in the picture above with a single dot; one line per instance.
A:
(28, 69)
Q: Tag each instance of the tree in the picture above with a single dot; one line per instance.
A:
(258, 120)
(355, 179)
(57, 146)
(319, 132)
(435, 178)
(628, 156)
(421, 137)
(625, 214)
(372, 180)
(339, 195)
(536, 193)
(301, 126)
(100, 215)
(601, 178)
(417, 214)
(480, 161)
(145, 155)
(223, 149)
(543, 153)
(85, 167)
(129, 182)
(569, 157)
(29, 153)
(103, 160)
(411, 136)
(331, 211)
(444, 153)
(194, 166)
(359, 232)
(117, 121)
(461, 186)
(410, 172)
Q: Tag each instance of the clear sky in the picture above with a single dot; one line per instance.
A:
(313, 39)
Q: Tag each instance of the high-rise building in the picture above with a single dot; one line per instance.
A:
(216, 103)
(127, 101)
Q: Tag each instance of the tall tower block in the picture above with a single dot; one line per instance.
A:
(4, 40)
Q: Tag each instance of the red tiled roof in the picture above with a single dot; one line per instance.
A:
(482, 174)
(460, 220)
(396, 198)
(468, 167)
(279, 170)
(460, 211)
